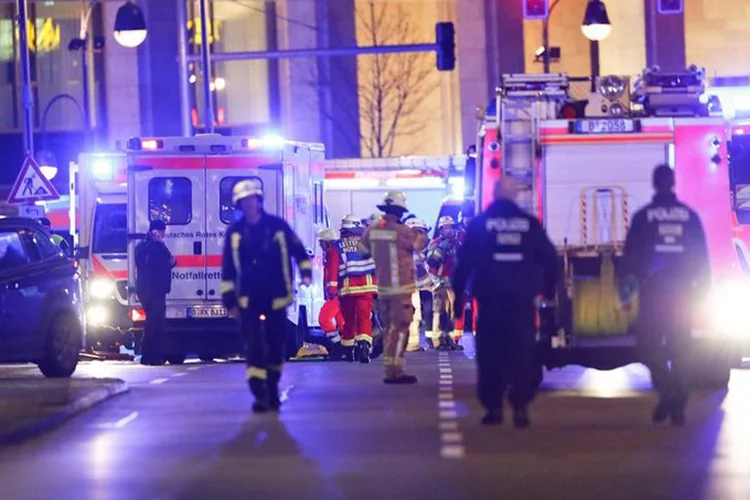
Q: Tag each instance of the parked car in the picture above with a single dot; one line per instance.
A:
(41, 306)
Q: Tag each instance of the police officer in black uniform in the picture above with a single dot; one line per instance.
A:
(257, 287)
(503, 253)
(666, 261)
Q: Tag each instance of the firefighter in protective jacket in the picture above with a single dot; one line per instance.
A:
(356, 290)
(422, 297)
(392, 245)
(441, 257)
(666, 261)
(504, 251)
(330, 318)
(257, 286)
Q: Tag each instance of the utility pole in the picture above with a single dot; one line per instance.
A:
(28, 98)
(206, 64)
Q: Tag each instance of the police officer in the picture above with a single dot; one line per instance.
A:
(154, 265)
(504, 250)
(257, 287)
(666, 261)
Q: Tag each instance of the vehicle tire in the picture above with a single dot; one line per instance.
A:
(61, 347)
(175, 359)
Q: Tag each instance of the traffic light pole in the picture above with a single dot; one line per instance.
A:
(295, 53)
(28, 98)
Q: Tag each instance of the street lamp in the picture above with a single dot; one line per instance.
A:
(596, 26)
(130, 25)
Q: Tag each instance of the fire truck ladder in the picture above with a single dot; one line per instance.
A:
(523, 101)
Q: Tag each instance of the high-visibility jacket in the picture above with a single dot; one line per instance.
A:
(356, 271)
(441, 257)
(331, 270)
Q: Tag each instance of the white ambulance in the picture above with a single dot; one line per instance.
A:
(187, 182)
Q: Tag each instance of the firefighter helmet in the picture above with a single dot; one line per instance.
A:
(245, 188)
(351, 222)
(327, 234)
(417, 224)
(395, 199)
(373, 219)
(445, 220)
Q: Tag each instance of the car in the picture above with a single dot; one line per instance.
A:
(41, 300)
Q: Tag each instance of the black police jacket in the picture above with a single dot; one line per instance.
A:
(665, 249)
(153, 263)
(256, 269)
(507, 255)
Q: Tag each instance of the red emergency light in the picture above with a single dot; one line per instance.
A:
(145, 144)
(137, 315)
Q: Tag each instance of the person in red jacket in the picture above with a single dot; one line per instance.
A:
(460, 328)
(330, 318)
(356, 290)
(441, 257)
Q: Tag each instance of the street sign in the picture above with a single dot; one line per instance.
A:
(31, 211)
(31, 185)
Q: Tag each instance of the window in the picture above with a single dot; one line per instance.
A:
(110, 229)
(47, 249)
(228, 213)
(12, 252)
(318, 210)
(171, 200)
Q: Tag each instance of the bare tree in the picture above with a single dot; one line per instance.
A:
(391, 87)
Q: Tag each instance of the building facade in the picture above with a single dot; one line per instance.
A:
(349, 103)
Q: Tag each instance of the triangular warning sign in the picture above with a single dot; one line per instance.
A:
(31, 185)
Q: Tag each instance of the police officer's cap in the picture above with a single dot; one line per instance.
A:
(663, 178)
(157, 225)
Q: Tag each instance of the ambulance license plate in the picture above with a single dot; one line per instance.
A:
(207, 312)
(605, 126)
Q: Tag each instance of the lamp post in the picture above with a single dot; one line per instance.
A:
(545, 37)
(596, 27)
(46, 158)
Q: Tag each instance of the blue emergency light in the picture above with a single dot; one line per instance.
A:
(103, 169)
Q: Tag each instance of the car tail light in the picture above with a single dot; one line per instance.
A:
(137, 315)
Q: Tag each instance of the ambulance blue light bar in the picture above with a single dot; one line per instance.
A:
(137, 143)
(265, 142)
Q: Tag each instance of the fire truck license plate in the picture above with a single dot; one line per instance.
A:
(207, 312)
(604, 126)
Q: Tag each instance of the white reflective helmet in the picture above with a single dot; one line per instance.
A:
(394, 199)
(445, 220)
(351, 222)
(417, 224)
(327, 234)
(373, 219)
(245, 188)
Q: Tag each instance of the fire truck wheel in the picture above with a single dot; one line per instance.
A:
(63, 342)
(175, 359)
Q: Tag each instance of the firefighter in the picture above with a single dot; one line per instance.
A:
(153, 264)
(372, 219)
(422, 297)
(666, 261)
(257, 287)
(392, 245)
(441, 257)
(356, 290)
(330, 318)
(504, 250)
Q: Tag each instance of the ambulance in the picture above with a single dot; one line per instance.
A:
(187, 182)
(583, 164)
(94, 214)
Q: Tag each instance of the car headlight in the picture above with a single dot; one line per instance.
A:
(101, 288)
(728, 308)
(97, 315)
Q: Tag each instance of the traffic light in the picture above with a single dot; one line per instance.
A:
(445, 37)
(535, 9)
(671, 6)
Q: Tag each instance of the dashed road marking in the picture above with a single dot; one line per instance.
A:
(447, 404)
(452, 451)
(193, 368)
(445, 395)
(120, 423)
(452, 437)
(181, 374)
(448, 414)
(450, 434)
(159, 380)
(448, 425)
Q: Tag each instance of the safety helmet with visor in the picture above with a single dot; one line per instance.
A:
(245, 189)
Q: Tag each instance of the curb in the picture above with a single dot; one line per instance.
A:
(65, 413)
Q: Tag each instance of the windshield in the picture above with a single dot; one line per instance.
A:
(110, 229)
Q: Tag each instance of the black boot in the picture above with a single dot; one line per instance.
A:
(363, 351)
(377, 347)
(274, 401)
(493, 417)
(521, 418)
(348, 354)
(336, 352)
(259, 389)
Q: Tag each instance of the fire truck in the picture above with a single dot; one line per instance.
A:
(357, 185)
(187, 182)
(583, 163)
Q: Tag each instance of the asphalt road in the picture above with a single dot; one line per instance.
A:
(187, 432)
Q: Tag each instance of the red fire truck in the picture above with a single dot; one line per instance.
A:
(584, 166)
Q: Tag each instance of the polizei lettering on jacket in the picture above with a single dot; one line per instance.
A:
(503, 224)
(668, 214)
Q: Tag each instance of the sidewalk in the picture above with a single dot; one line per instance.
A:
(30, 405)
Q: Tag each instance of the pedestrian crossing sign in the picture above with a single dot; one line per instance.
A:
(31, 185)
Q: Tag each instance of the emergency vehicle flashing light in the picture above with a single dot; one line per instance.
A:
(97, 315)
(137, 315)
(266, 142)
(102, 288)
(103, 170)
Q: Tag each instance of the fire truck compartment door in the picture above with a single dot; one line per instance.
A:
(569, 169)
(222, 173)
(171, 188)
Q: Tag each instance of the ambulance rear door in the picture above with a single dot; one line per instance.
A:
(222, 173)
(170, 187)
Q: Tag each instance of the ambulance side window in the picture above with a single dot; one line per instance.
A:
(318, 208)
(171, 200)
(227, 210)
